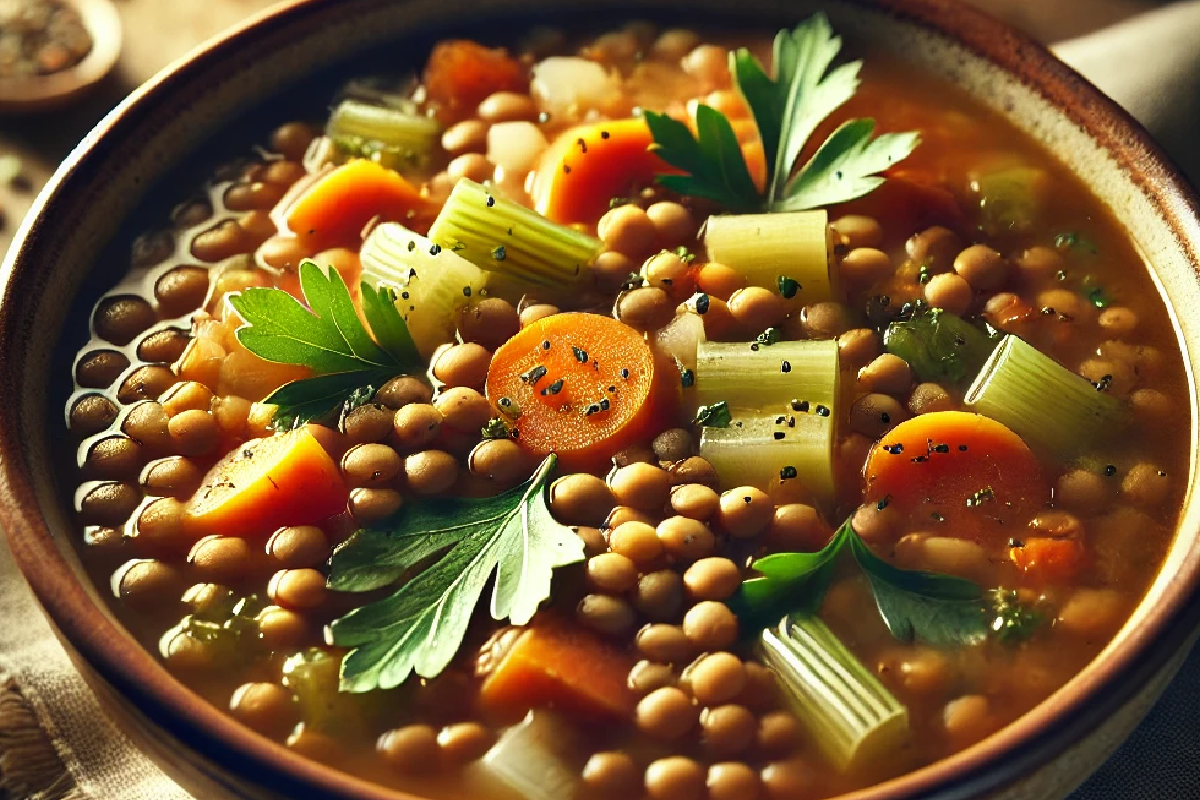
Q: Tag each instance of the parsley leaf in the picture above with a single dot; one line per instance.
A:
(716, 415)
(421, 626)
(329, 338)
(916, 605)
(713, 158)
(846, 166)
(787, 110)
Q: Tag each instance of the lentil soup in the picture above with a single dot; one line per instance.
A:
(566, 421)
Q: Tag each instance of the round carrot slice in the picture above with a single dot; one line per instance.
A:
(582, 386)
(959, 472)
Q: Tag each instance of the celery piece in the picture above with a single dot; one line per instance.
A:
(939, 346)
(312, 675)
(766, 248)
(851, 716)
(432, 284)
(751, 375)
(501, 236)
(790, 445)
(393, 137)
(534, 760)
(1056, 412)
(1011, 200)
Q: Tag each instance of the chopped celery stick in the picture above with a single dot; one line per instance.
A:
(755, 451)
(312, 675)
(535, 759)
(767, 247)
(498, 235)
(432, 284)
(851, 716)
(939, 346)
(1058, 413)
(749, 375)
(1011, 199)
(390, 136)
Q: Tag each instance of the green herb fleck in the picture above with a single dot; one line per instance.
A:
(715, 415)
(788, 287)
(1012, 622)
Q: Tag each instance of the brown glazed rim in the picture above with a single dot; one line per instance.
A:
(1014, 751)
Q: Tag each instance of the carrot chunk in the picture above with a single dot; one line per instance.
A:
(265, 484)
(963, 470)
(335, 210)
(587, 166)
(1047, 561)
(582, 386)
(554, 665)
(461, 73)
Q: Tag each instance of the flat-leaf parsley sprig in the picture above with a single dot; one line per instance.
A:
(421, 626)
(787, 110)
(327, 337)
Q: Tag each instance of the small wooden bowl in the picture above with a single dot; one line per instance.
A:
(43, 92)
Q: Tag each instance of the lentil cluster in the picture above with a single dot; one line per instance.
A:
(164, 389)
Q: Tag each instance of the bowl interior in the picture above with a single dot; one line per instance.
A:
(158, 144)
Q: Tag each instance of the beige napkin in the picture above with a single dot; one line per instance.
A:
(55, 740)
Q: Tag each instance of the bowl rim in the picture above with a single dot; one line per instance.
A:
(1023, 745)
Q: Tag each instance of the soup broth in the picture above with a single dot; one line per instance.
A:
(973, 377)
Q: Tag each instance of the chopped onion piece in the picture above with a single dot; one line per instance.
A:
(568, 87)
(515, 146)
(534, 759)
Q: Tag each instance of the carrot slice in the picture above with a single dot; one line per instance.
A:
(555, 665)
(461, 73)
(1044, 560)
(587, 166)
(265, 484)
(584, 386)
(335, 210)
(961, 470)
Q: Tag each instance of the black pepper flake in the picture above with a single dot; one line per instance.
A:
(435, 249)
(791, 422)
(612, 389)
(800, 405)
(625, 372)
(754, 346)
(604, 134)
(688, 378)
(545, 344)
(780, 419)
(885, 417)
(787, 473)
(466, 291)
(919, 459)
(785, 367)
(822, 411)
(1110, 470)
(748, 499)
(700, 302)
(883, 502)
(412, 272)
(566, 169)
(962, 448)
(412, 245)
(580, 354)
(779, 435)
(404, 295)
(534, 375)
(605, 404)
(499, 253)
(894, 449)
(591, 408)
(942, 448)
(553, 388)
(491, 201)
(1015, 542)
(1103, 384)
(582, 145)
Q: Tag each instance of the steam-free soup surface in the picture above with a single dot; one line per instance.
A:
(855, 409)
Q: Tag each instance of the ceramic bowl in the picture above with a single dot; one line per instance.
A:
(64, 252)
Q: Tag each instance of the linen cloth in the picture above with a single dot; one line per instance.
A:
(56, 742)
